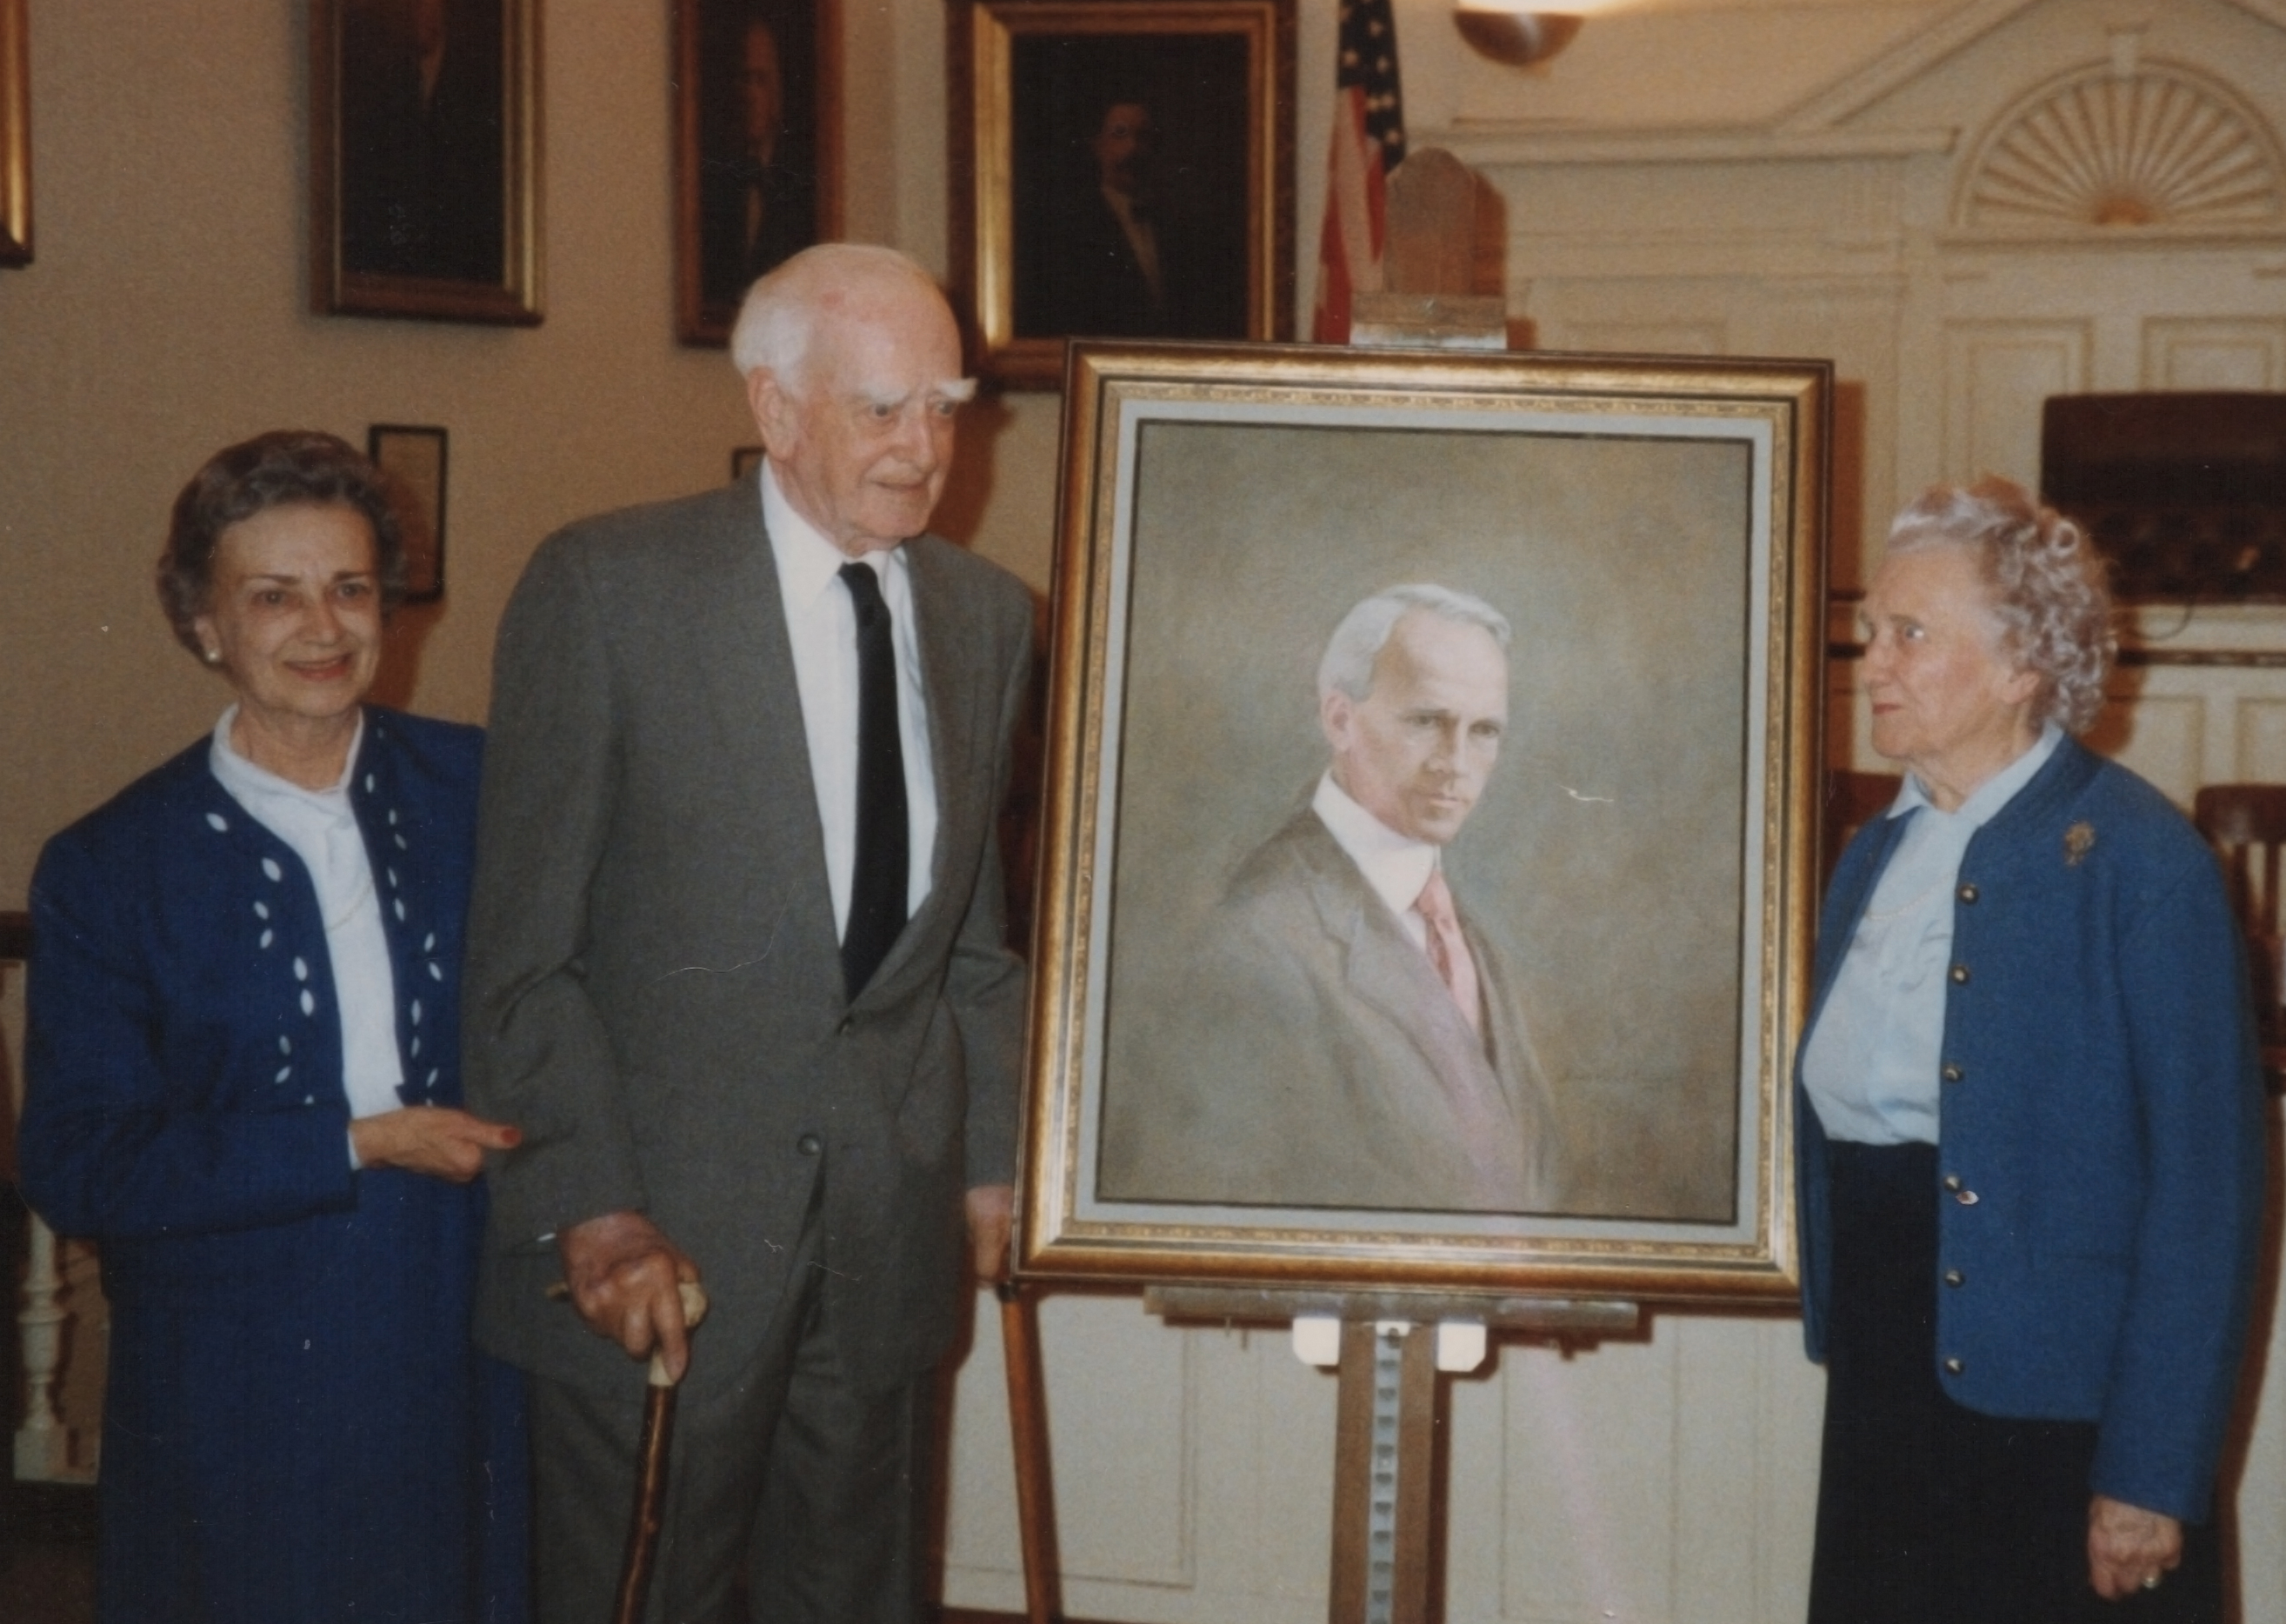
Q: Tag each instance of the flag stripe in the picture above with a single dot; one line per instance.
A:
(1368, 140)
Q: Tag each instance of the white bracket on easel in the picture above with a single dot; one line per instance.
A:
(1461, 1344)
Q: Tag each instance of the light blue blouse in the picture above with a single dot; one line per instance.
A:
(1871, 1069)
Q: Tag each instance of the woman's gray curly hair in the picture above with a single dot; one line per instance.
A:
(2046, 584)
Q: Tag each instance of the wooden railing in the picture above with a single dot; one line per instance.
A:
(43, 1452)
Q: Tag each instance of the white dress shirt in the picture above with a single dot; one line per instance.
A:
(1395, 865)
(1871, 1068)
(822, 625)
(321, 827)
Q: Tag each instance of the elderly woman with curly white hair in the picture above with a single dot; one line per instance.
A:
(2031, 1144)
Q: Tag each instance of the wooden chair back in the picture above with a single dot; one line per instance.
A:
(2246, 825)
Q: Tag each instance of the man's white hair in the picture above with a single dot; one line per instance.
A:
(1364, 632)
(780, 317)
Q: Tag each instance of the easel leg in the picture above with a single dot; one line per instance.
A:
(1028, 1427)
(1384, 1441)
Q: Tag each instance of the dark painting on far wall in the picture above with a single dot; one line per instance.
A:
(757, 171)
(424, 158)
(1124, 169)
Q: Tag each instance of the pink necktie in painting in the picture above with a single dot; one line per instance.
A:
(1449, 952)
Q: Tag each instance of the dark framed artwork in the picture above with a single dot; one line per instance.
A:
(1552, 627)
(758, 149)
(15, 137)
(1125, 169)
(413, 458)
(424, 159)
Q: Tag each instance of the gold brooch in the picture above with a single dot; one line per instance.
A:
(2079, 839)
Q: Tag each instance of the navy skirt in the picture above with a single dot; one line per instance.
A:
(1929, 1511)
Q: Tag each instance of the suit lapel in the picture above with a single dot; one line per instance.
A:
(1385, 972)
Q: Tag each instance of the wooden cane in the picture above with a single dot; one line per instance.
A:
(1036, 1526)
(651, 1471)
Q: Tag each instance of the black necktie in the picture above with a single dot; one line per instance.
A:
(879, 876)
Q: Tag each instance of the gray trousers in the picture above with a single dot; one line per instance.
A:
(793, 1498)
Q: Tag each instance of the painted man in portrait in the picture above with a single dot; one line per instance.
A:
(1347, 1035)
(758, 203)
(423, 154)
(1122, 251)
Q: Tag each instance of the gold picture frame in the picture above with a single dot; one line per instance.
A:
(1210, 1097)
(1044, 250)
(751, 72)
(15, 135)
(424, 159)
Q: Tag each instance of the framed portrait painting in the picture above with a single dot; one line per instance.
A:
(424, 159)
(1127, 171)
(758, 149)
(1429, 821)
(15, 137)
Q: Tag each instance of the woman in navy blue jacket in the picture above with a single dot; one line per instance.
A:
(243, 1082)
(2030, 1121)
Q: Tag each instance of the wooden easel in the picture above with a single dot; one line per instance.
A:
(1391, 1348)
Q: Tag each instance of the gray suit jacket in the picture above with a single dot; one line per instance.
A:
(653, 989)
(1316, 1060)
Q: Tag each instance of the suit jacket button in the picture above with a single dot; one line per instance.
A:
(1967, 894)
(1952, 1181)
(1967, 1198)
(848, 1025)
(1954, 1367)
(1954, 1277)
(809, 1144)
(1952, 1074)
(1960, 975)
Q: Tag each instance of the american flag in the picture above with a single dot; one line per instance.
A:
(1368, 142)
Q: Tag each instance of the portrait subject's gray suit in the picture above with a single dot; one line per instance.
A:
(1317, 1059)
(654, 985)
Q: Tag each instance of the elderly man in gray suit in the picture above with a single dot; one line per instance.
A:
(1348, 1037)
(736, 961)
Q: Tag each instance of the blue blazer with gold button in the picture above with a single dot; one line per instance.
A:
(2102, 1112)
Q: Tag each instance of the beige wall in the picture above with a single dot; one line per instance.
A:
(165, 315)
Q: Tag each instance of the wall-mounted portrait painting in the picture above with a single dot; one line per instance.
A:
(1429, 819)
(425, 158)
(1133, 173)
(758, 126)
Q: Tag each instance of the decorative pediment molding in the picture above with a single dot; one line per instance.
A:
(2155, 145)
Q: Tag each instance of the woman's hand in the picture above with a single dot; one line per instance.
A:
(2129, 1549)
(437, 1140)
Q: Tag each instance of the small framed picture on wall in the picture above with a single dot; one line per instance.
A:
(413, 458)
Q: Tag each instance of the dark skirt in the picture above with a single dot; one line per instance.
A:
(1929, 1511)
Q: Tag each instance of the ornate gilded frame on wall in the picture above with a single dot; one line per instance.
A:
(1036, 248)
(738, 214)
(15, 137)
(424, 159)
(1224, 1086)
